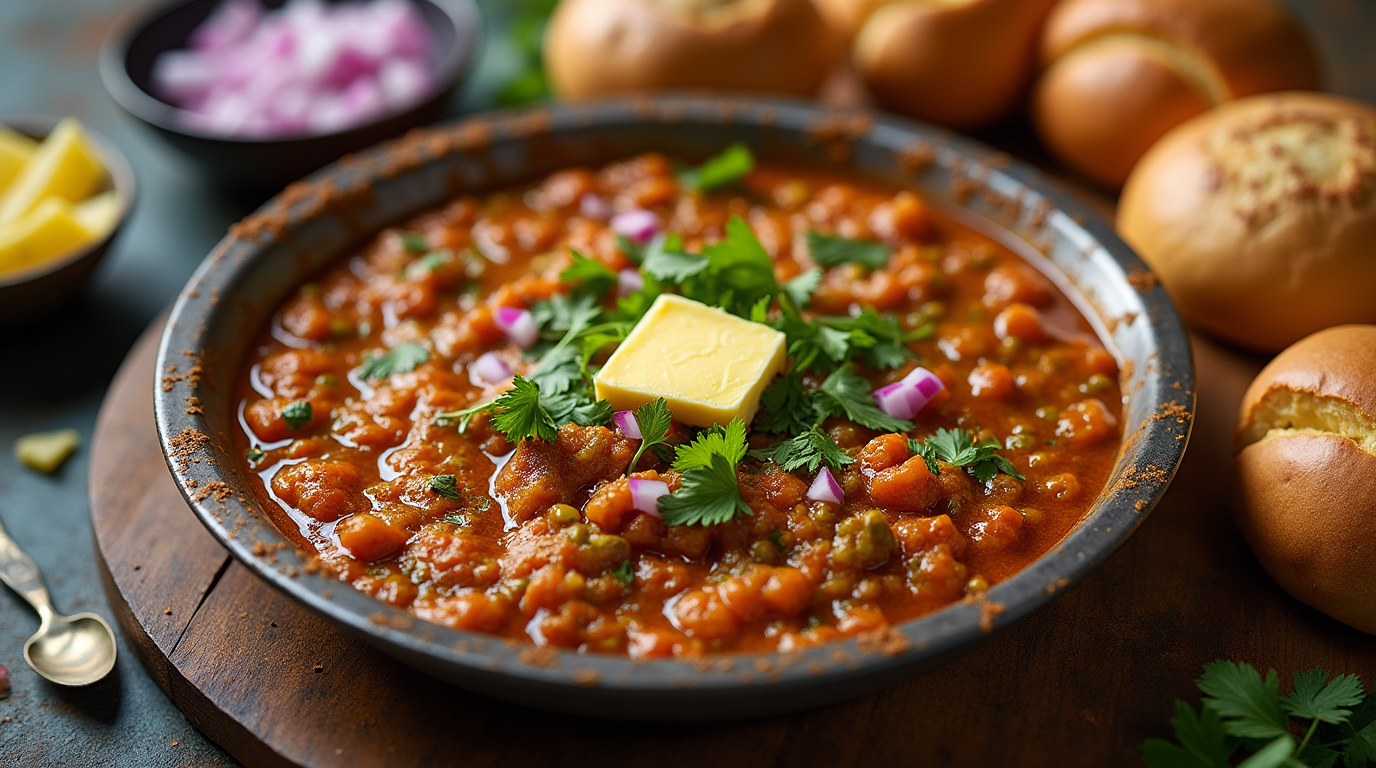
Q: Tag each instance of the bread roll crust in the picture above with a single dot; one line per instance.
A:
(1260, 215)
(598, 47)
(1216, 50)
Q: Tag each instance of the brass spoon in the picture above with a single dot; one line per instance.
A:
(68, 650)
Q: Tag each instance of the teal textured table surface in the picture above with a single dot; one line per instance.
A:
(55, 374)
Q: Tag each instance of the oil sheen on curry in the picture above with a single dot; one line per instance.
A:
(669, 411)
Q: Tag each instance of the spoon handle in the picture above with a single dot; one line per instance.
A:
(19, 571)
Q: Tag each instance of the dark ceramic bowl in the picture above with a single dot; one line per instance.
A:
(241, 283)
(30, 294)
(251, 165)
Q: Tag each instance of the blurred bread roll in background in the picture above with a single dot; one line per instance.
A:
(1305, 474)
(961, 63)
(598, 47)
(1118, 74)
(1260, 217)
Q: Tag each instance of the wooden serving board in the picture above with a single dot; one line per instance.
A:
(1081, 682)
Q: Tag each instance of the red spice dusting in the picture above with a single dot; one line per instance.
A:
(1143, 281)
(888, 641)
(539, 657)
(587, 678)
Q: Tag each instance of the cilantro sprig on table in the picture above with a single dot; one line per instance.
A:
(1321, 723)
(958, 448)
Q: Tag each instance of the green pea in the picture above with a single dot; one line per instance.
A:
(564, 514)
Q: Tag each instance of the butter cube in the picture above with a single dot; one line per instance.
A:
(45, 451)
(15, 151)
(708, 365)
(64, 166)
(98, 215)
(48, 232)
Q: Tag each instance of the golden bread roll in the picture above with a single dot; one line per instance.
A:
(962, 63)
(599, 47)
(1305, 476)
(1118, 74)
(1260, 217)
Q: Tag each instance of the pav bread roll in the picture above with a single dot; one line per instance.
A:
(599, 47)
(1305, 475)
(1118, 74)
(1260, 217)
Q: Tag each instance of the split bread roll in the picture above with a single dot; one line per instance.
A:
(1305, 476)
(1118, 74)
(599, 47)
(962, 63)
(1260, 217)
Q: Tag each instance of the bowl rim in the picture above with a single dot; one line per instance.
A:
(456, 63)
(1160, 441)
(122, 181)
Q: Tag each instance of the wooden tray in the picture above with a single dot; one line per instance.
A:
(1081, 682)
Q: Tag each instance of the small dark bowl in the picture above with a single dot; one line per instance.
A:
(258, 165)
(239, 286)
(32, 293)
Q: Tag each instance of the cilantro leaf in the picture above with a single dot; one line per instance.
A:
(833, 251)
(435, 259)
(1274, 755)
(564, 314)
(877, 339)
(784, 407)
(1249, 704)
(522, 416)
(413, 242)
(708, 495)
(801, 288)
(254, 455)
(1203, 742)
(446, 486)
(958, 448)
(730, 166)
(403, 358)
(673, 267)
(729, 443)
(298, 415)
(1361, 746)
(577, 408)
(844, 392)
(623, 573)
(810, 451)
(741, 271)
(654, 420)
(589, 276)
(1317, 698)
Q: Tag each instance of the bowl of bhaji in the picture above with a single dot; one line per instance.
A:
(674, 408)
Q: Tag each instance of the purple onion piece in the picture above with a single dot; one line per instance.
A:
(825, 488)
(629, 281)
(905, 398)
(518, 324)
(645, 495)
(625, 421)
(594, 206)
(637, 225)
(489, 369)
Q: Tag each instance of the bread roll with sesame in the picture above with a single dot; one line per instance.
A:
(1260, 217)
(1118, 74)
(600, 47)
(1305, 474)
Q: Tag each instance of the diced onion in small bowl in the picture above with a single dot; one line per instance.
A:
(489, 369)
(518, 324)
(825, 488)
(638, 226)
(904, 399)
(645, 495)
(625, 421)
(628, 281)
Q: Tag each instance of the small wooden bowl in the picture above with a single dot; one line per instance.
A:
(30, 294)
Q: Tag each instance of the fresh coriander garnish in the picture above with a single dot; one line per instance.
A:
(708, 493)
(956, 447)
(729, 442)
(403, 358)
(1244, 711)
(785, 408)
(801, 288)
(446, 486)
(733, 273)
(777, 537)
(435, 259)
(456, 519)
(653, 419)
(809, 450)
(254, 455)
(298, 414)
(413, 242)
(729, 167)
(623, 573)
(588, 276)
(845, 393)
(833, 251)
(521, 416)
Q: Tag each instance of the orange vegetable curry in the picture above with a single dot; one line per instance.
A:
(541, 542)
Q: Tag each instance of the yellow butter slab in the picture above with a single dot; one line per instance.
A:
(45, 451)
(710, 366)
(15, 151)
(49, 232)
(64, 166)
(98, 214)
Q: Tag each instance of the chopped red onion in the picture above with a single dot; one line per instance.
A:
(518, 324)
(645, 495)
(637, 225)
(629, 281)
(594, 206)
(625, 421)
(825, 488)
(904, 399)
(489, 369)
